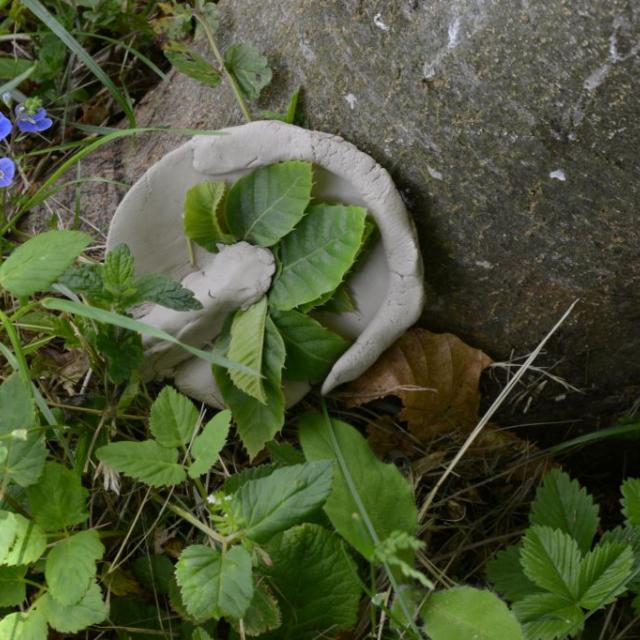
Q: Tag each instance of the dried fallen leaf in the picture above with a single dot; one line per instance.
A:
(435, 376)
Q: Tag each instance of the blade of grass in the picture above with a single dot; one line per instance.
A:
(11, 85)
(38, 9)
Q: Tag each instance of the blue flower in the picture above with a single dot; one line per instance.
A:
(7, 171)
(31, 117)
(5, 126)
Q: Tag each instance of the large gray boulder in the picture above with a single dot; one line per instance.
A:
(512, 128)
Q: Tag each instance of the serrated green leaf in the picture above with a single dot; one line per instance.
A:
(546, 616)
(287, 496)
(21, 541)
(257, 423)
(631, 501)
(58, 500)
(551, 559)
(10, 67)
(262, 615)
(604, 573)
(165, 292)
(173, 418)
(316, 583)
(237, 480)
(214, 584)
(561, 503)
(359, 478)
(246, 346)
(265, 205)
(26, 454)
(13, 589)
(317, 254)
(17, 410)
(249, 68)
(200, 634)
(73, 618)
(31, 625)
(122, 350)
(192, 64)
(70, 568)
(284, 454)
(146, 461)
(118, 272)
(506, 575)
(40, 261)
(311, 348)
(83, 278)
(465, 612)
(208, 444)
(628, 535)
(202, 218)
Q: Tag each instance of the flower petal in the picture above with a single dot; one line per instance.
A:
(5, 126)
(7, 171)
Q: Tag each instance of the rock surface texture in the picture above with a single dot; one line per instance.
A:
(511, 128)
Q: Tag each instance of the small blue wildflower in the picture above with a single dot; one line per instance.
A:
(7, 171)
(5, 126)
(31, 117)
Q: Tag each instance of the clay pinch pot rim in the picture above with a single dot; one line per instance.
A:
(238, 150)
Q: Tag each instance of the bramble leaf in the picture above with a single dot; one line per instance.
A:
(249, 68)
(173, 418)
(317, 254)
(246, 346)
(631, 501)
(604, 574)
(214, 584)
(21, 541)
(202, 218)
(146, 461)
(208, 444)
(41, 260)
(73, 618)
(282, 499)
(265, 205)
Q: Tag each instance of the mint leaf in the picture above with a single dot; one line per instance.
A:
(631, 501)
(21, 541)
(121, 349)
(317, 254)
(311, 348)
(58, 500)
(604, 574)
(465, 612)
(265, 205)
(118, 272)
(165, 292)
(280, 500)
(83, 278)
(359, 478)
(561, 503)
(215, 584)
(316, 583)
(40, 261)
(13, 589)
(75, 617)
(249, 68)
(173, 418)
(203, 217)
(551, 559)
(246, 346)
(546, 616)
(208, 444)
(70, 568)
(146, 461)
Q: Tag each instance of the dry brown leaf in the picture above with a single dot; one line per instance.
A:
(435, 376)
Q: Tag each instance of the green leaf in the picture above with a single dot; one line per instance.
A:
(316, 256)
(58, 500)
(75, 617)
(21, 541)
(11, 67)
(465, 612)
(262, 615)
(13, 589)
(173, 418)
(631, 501)
(208, 444)
(284, 498)
(546, 616)
(146, 461)
(165, 292)
(192, 64)
(24, 626)
(203, 217)
(214, 584)
(627, 535)
(200, 634)
(604, 574)
(311, 348)
(83, 278)
(265, 205)
(25, 455)
(40, 261)
(316, 583)
(551, 559)
(122, 350)
(249, 68)
(118, 272)
(17, 410)
(246, 347)
(154, 572)
(291, 116)
(340, 302)
(256, 422)
(70, 568)
(368, 498)
(562, 504)
(505, 573)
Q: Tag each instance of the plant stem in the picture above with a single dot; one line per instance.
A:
(216, 52)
